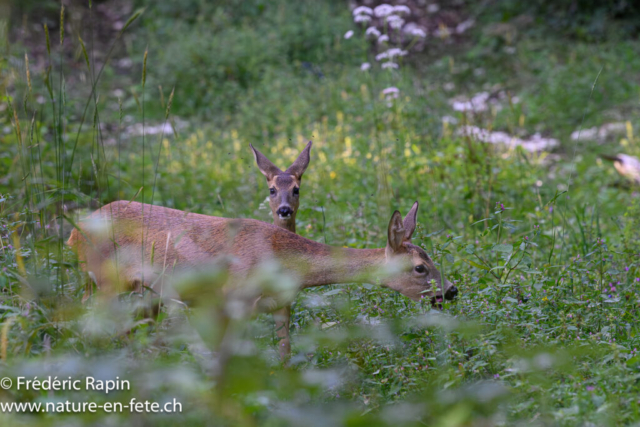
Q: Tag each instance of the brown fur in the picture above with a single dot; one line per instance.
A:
(196, 241)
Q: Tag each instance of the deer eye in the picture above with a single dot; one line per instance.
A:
(272, 190)
(296, 191)
(420, 269)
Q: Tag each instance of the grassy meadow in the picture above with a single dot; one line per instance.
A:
(159, 101)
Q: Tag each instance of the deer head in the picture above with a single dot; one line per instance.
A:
(284, 187)
(416, 276)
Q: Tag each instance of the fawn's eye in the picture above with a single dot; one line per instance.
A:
(420, 269)
(296, 191)
(272, 190)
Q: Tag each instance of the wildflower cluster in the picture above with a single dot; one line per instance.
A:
(389, 31)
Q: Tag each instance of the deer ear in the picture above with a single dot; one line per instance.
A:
(396, 232)
(410, 222)
(268, 169)
(300, 165)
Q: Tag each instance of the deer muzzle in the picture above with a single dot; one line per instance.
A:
(284, 212)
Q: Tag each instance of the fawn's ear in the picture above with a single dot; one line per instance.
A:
(268, 169)
(395, 234)
(300, 165)
(410, 222)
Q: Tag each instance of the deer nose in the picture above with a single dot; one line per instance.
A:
(284, 212)
(451, 293)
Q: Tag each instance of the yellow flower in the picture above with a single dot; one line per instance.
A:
(333, 175)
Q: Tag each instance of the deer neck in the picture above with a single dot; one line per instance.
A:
(330, 265)
(286, 224)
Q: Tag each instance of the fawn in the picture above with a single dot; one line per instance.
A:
(284, 199)
(187, 241)
(284, 187)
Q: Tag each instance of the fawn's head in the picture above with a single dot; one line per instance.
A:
(284, 187)
(417, 276)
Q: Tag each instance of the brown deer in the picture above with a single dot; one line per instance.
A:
(284, 199)
(284, 187)
(115, 253)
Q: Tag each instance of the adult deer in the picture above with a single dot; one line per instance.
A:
(185, 241)
(284, 199)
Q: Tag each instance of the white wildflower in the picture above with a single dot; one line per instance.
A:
(383, 10)
(482, 101)
(390, 54)
(361, 18)
(533, 144)
(585, 134)
(362, 10)
(389, 65)
(392, 92)
(402, 9)
(396, 52)
(397, 24)
(418, 32)
(598, 133)
(395, 21)
(372, 31)
(365, 66)
(381, 56)
(414, 30)
(348, 35)
(479, 102)
(383, 38)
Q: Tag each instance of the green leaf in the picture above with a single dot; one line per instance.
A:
(503, 247)
(634, 360)
(573, 301)
(476, 265)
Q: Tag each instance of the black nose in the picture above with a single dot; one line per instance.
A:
(285, 211)
(451, 293)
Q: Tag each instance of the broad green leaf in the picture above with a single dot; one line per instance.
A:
(503, 247)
